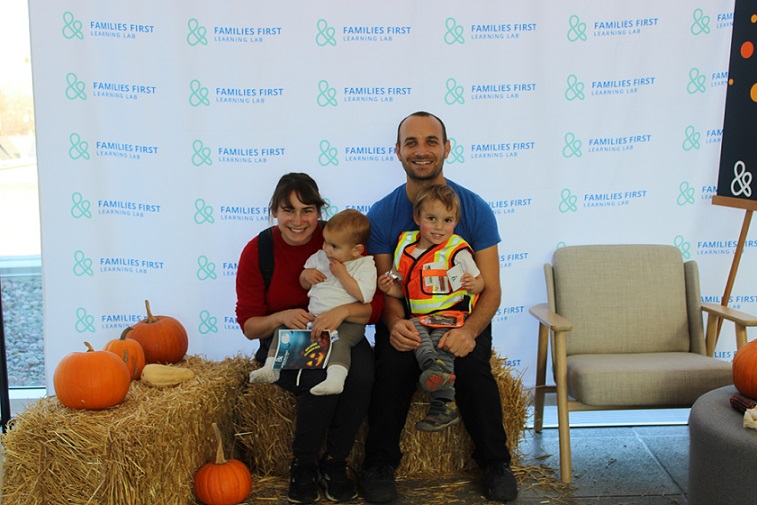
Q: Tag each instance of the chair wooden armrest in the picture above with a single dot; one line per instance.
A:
(731, 314)
(550, 319)
(716, 313)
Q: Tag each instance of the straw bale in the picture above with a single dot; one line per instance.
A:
(265, 429)
(144, 450)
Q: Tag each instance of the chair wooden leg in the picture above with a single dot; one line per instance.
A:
(541, 376)
(711, 334)
(563, 421)
(740, 335)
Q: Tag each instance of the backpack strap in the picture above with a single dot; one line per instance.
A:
(265, 253)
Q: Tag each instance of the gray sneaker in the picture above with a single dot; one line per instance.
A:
(440, 415)
(436, 377)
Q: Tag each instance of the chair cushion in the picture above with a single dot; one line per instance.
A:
(675, 379)
(622, 298)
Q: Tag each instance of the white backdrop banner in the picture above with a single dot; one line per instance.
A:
(162, 132)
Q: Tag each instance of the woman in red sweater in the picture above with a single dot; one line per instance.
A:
(296, 205)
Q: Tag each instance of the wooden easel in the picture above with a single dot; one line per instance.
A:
(749, 206)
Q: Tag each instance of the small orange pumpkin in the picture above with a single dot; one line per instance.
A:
(224, 481)
(163, 338)
(131, 352)
(91, 380)
(745, 369)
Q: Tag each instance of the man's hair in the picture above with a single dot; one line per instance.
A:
(438, 193)
(422, 113)
(354, 223)
(302, 185)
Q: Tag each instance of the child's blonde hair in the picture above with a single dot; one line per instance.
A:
(355, 223)
(438, 193)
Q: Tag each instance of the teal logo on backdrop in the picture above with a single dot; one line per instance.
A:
(576, 30)
(197, 33)
(454, 93)
(701, 24)
(329, 210)
(328, 155)
(208, 323)
(685, 194)
(697, 82)
(326, 95)
(683, 246)
(75, 88)
(454, 33)
(79, 148)
(81, 206)
(456, 152)
(203, 212)
(84, 322)
(575, 89)
(206, 269)
(200, 154)
(71, 26)
(560, 245)
(198, 95)
(326, 34)
(691, 140)
(568, 201)
(572, 146)
(82, 264)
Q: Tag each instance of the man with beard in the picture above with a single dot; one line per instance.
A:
(422, 146)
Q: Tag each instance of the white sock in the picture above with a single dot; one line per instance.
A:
(266, 373)
(334, 383)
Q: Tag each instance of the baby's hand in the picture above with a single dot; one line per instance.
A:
(313, 276)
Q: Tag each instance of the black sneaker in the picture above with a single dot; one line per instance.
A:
(500, 483)
(303, 484)
(379, 485)
(335, 481)
(440, 415)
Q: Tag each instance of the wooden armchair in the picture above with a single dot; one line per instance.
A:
(626, 331)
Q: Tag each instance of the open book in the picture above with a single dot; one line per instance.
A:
(297, 350)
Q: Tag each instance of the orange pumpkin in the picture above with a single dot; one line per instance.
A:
(745, 369)
(163, 338)
(131, 352)
(224, 481)
(91, 380)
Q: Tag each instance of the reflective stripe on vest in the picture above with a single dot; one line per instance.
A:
(428, 291)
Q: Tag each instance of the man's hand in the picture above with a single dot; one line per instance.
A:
(404, 336)
(458, 342)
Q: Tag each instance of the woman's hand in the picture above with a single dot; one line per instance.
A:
(330, 321)
(296, 319)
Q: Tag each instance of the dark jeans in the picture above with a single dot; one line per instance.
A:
(335, 417)
(476, 393)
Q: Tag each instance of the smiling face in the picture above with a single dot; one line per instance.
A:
(436, 223)
(296, 220)
(422, 149)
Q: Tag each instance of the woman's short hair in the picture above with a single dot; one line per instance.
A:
(300, 184)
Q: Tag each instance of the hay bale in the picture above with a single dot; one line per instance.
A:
(144, 450)
(265, 428)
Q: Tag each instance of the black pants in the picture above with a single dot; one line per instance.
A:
(335, 417)
(476, 393)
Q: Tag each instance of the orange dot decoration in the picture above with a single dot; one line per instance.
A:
(753, 93)
(747, 50)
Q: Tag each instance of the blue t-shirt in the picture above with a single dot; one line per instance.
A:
(393, 214)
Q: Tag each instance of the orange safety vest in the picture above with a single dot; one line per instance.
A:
(427, 289)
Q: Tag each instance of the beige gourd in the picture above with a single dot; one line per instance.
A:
(164, 375)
